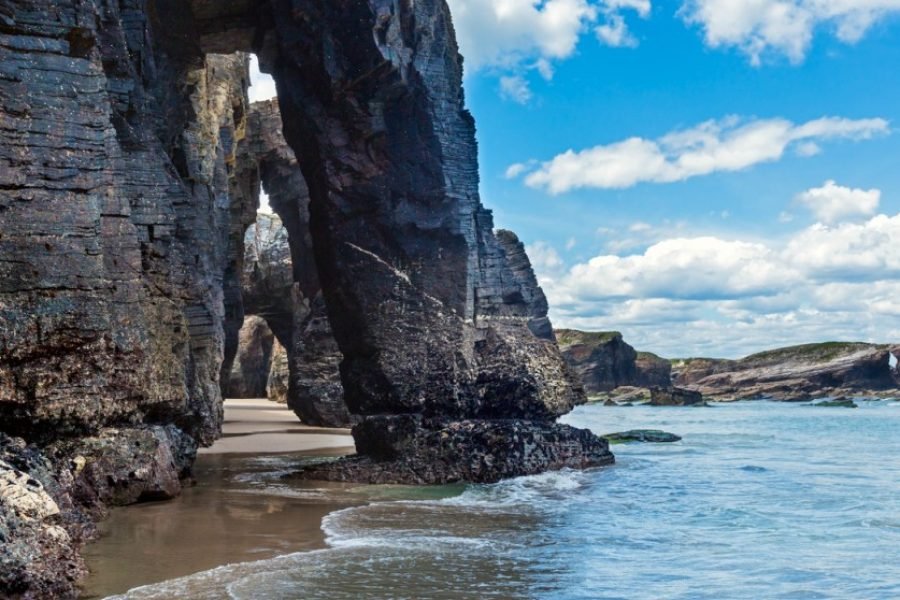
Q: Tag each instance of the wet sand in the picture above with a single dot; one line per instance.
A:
(239, 510)
(263, 427)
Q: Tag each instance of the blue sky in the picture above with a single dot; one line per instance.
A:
(711, 177)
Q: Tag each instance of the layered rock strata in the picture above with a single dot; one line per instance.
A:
(249, 375)
(315, 392)
(126, 183)
(797, 374)
(121, 200)
(603, 361)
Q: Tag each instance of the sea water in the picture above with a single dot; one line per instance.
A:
(759, 500)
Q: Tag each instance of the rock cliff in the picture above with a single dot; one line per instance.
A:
(795, 374)
(249, 375)
(315, 392)
(127, 180)
(604, 361)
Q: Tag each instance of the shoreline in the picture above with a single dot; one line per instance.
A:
(237, 510)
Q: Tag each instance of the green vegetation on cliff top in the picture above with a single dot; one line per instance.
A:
(568, 337)
(822, 352)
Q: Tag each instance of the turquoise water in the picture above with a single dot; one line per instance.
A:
(759, 500)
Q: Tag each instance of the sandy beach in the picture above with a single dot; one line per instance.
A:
(239, 510)
(263, 427)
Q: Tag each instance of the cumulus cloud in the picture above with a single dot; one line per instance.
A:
(849, 251)
(729, 144)
(615, 32)
(544, 258)
(833, 202)
(714, 295)
(506, 33)
(515, 88)
(683, 268)
(786, 27)
(515, 37)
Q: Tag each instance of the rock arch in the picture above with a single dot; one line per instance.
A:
(126, 185)
(429, 315)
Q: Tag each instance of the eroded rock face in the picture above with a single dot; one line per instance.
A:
(267, 280)
(277, 383)
(113, 307)
(249, 374)
(796, 374)
(315, 392)
(426, 311)
(35, 550)
(531, 292)
(122, 196)
(604, 361)
(121, 312)
(673, 396)
(403, 449)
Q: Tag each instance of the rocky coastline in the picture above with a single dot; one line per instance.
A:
(612, 371)
(131, 163)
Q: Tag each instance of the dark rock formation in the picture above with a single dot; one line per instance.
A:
(117, 467)
(249, 374)
(403, 449)
(531, 292)
(653, 436)
(652, 371)
(267, 281)
(603, 361)
(117, 155)
(121, 198)
(419, 294)
(127, 181)
(49, 498)
(674, 396)
(796, 374)
(837, 403)
(623, 395)
(315, 392)
(39, 525)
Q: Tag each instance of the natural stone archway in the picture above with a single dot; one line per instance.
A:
(125, 190)
(428, 313)
(315, 392)
(249, 375)
(431, 320)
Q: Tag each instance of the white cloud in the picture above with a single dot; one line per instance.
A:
(724, 296)
(571, 243)
(513, 171)
(262, 86)
(264, 206)
(507, 33)
(849, 251)
(544, 258)
(832, 202)
(615, 33)
(639, 227)
(515, 88)
(759, 27)
(514, 37)
(730, 144)
(683, 268)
